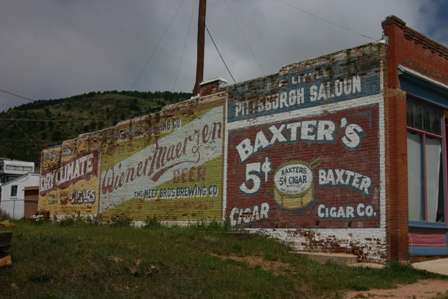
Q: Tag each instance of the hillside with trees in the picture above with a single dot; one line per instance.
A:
(27, 129)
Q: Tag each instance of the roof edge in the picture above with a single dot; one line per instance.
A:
(416, 36)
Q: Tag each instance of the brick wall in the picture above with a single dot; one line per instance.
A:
(167, 166)
(299, 155)
(294, 159)
(411, 49)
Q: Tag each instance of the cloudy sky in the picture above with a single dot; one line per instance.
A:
(59, 48)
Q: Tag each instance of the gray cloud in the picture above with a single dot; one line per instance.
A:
(58, 48)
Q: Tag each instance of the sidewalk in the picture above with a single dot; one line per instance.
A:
(439, 266)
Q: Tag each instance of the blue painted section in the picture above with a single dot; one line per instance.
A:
(253, 95)
(436, 95)
(424, 90)
(427, 251)
(427, 225)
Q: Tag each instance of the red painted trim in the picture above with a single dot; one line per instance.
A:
(424, 135)
(445, 168)
(425, 187)
(424, 132)
(433, 240)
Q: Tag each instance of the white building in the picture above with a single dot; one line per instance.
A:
(15, 175)
(12, 169)
(12, 199)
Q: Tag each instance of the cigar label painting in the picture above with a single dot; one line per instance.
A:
(306, 172)
(293, 185)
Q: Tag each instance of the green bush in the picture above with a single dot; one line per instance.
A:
(151, 222)
(3, 215)
(121, 220)
(67, 221)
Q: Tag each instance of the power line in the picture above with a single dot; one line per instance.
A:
(183, 52)
(29, 145)
(11, 93)
(244, 35)
(39, 147)
(155, 49)
(31, 140)
(49, 120)
(329, 22)
(219, 53)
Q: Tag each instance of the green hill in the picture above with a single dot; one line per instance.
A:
(28, 128)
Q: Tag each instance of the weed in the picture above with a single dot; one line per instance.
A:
(3, 215)
(67, 221)
(121, 220)
(212, 226)
(78, 260)
(152, 222)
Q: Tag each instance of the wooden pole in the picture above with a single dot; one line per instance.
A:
(200, 46)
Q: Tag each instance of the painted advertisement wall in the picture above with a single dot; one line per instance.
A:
(320, 171)
(167, 166)
(305, 154)
(298, 154)
(172, 170)
(69, 177)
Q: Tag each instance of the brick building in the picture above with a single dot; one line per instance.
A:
(416, 99)
(345, 152)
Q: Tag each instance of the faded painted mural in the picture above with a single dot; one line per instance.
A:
(167, 166)
(305, 154)
(339, 77)
(171, 171)
(69, 178)
(318, 171)
(298, 155)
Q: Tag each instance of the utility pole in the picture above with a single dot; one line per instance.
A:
(200, 46)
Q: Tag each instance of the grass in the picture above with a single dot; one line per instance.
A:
(77, 260)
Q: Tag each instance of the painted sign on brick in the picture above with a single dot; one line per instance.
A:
(171, 171)
(69, 179)
(320, 171)
(301, 86)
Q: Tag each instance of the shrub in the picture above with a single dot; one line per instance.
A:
(213, 226)
(67, 221)
(3, 215)
(121, 220)
(151, 222)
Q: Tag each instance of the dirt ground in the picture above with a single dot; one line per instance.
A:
(256, 261)
(422, 289)
(430, 288)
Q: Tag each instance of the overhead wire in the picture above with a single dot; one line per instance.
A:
(219, 53)
(50, 120)
(182, 55)
(149, 59)
(325, 20)
(244, 35)
(15, 94)
(29, 140)
(156, 47)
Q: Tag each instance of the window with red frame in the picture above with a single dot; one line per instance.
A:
(426, 171)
